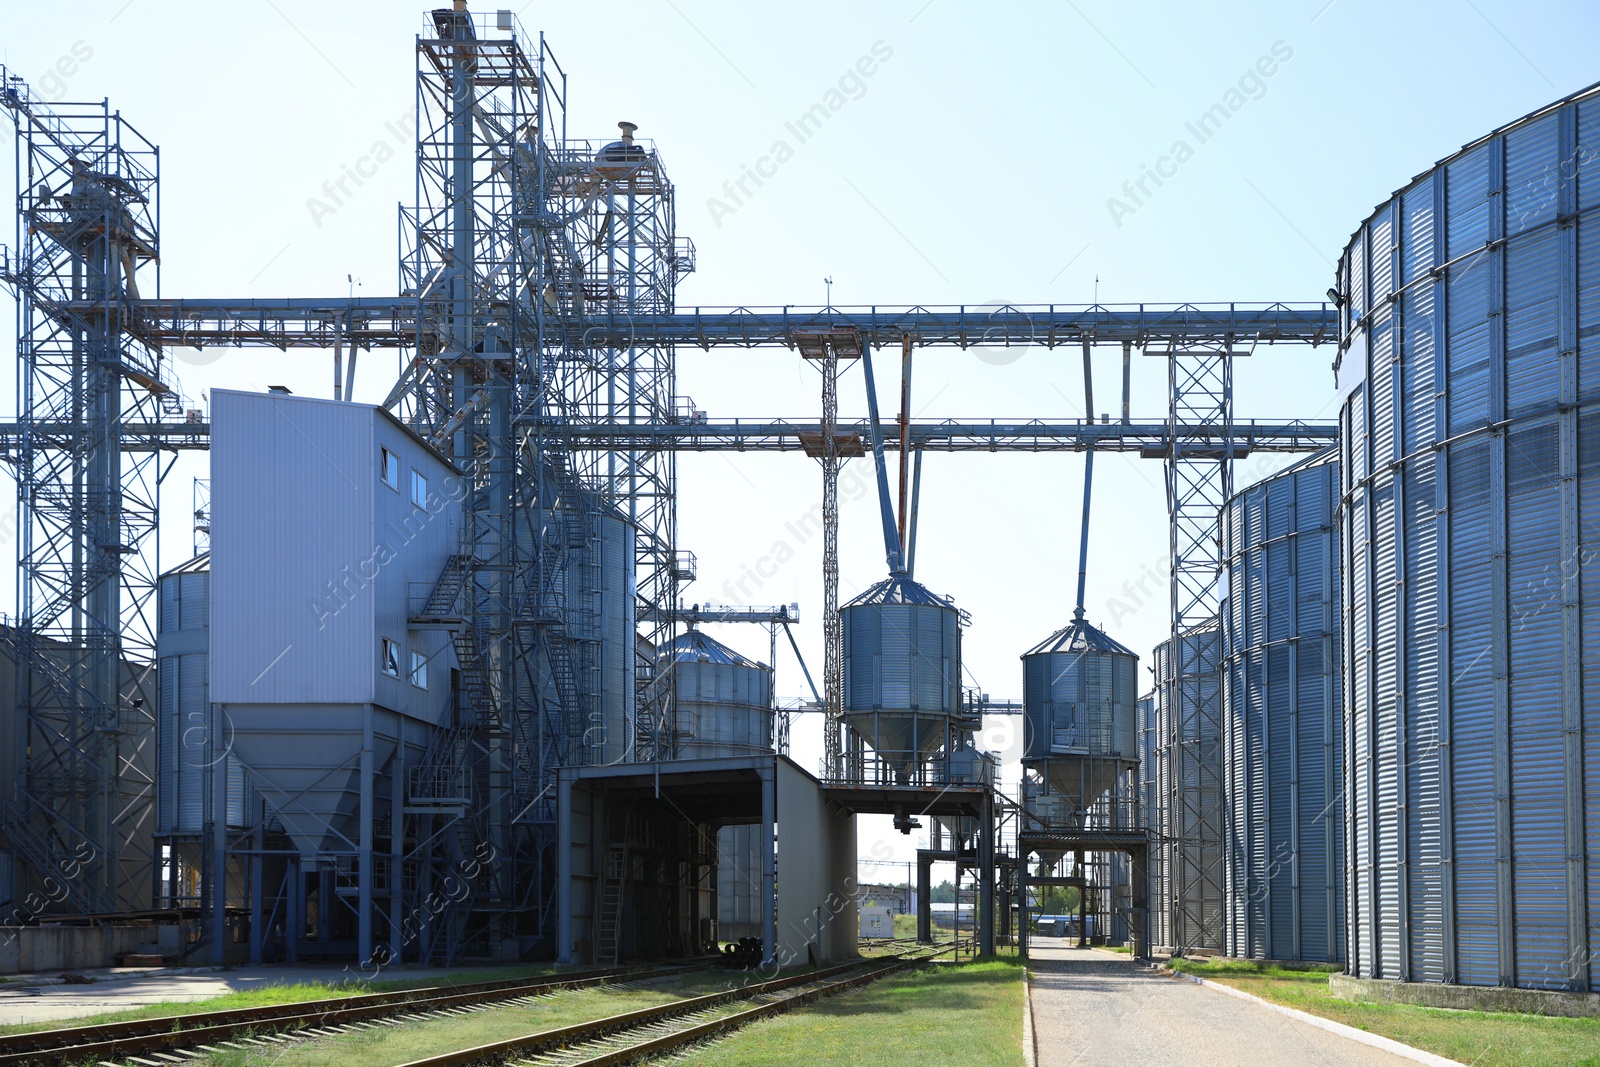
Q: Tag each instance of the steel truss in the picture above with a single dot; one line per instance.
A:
(1199, 477)
(84, 640)
(1148, 438)
(389, 322)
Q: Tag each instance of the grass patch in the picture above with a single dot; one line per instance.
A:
(1481, 1038)
(943, 1016)
(285, 994)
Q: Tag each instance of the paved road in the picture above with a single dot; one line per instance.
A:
(1097, 1009)
(112, 992)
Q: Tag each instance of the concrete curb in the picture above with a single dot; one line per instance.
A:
(1030, 1045)
(1390, 1045)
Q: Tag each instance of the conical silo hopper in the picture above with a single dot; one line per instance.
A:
(902, 673)
(1080, 706)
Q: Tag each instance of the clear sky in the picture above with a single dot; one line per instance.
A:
(976, 163)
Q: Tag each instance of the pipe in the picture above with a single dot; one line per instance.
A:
(891, 540)
(905, 430)
(803, 669)
(911, 529)
(1127, 355)
(1088, 484)
(1083, 540)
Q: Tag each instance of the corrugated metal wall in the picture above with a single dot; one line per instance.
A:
(738, 882)
(191, 736)
(1283, 756)
(1188, 766)
(724, 709)
(1471, 474)
(1154, 809)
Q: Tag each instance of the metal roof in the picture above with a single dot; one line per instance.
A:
(898, 590)
(695, 646)
(199, 564)
(1079, 636)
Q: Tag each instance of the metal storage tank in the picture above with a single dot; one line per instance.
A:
(1469, 374)
(1153, 811)
(1282, 722)
(601, 606)
(1189, 783)
(724, 701)
(738, 882)
(1080, 692)
(190, 739)
(902, 673)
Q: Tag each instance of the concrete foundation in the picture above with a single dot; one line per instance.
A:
(1467, 998)
(77, 948)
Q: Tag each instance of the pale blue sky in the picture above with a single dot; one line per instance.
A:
(974, 164)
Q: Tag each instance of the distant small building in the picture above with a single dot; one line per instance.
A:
(894, 897)
(876, 922)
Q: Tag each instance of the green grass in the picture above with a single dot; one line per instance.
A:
(1484, 1039)
(941, 1016)
(284, 994)
(383, 1046)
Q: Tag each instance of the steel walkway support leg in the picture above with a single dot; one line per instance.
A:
(924, 899)
(986, 880)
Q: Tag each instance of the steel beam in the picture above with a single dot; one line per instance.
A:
(391, 322)
(1152, 440)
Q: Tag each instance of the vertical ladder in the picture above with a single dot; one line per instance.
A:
(609, 917)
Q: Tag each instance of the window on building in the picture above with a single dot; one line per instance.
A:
(391, 658)
(419, 670)
(419, 489)
(391, 469)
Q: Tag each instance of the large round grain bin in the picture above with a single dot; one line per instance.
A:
(724, 701)
(1282, 758)
(1188, 753)
(1469, 374)
(1080, 692)
(600, 608)
(902, 675)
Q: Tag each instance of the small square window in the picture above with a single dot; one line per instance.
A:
(391, 658)
(419, 489)
(391, 469)
(419, 670)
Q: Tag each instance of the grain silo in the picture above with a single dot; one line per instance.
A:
(1281, 718)
(1188, 758)
(1469, 374)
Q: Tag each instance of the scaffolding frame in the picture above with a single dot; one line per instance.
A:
(87, 251)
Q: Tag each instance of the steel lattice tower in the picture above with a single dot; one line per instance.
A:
(522, 243)
(1199, 480)
(87, 252)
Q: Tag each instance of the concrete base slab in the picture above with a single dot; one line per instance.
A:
(1092, 1007)
(1467, 997)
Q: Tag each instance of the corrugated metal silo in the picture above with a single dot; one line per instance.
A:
(1080, 693)
(601, 614)
(1153, 810)
(724, 701)
(1189, 783)
(1470, 378)
(902, 674)
(1283, 756)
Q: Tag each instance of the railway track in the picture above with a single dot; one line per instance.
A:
(648, 1033)
(156, 1040)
